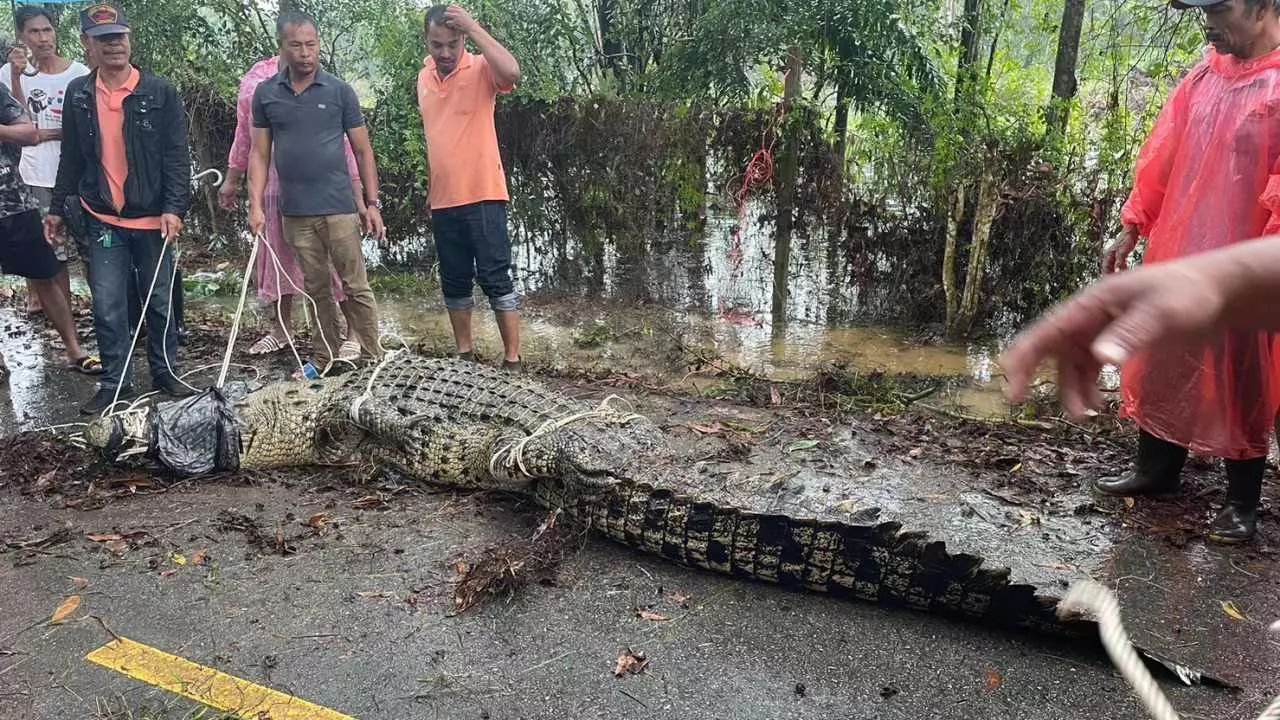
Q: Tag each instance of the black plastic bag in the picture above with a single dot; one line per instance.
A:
(196, 435)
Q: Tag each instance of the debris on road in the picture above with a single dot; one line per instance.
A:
(630, 663)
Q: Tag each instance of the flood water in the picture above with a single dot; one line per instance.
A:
(630, 310)
(715, 287)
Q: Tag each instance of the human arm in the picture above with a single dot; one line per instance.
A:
(358, 137)
(1177, 301)
(15, 125)
(1151, 176)
(70, 165)
(357, 187)
(259, 166)
(506, 70)
(230, 188)
(238, 156)
(19, 132)
(176, 166)
(368, 181)
(17, 67)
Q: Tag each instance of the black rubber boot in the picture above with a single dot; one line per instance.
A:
(1238, 521)
(1157, 472)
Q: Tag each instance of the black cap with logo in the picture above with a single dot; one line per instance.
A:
(103, 19)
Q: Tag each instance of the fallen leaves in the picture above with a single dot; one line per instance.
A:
(178, 559)
(712, 429)
(65, 610)
(367, 502)
(630, 663)
(848, 506)
(506, 567)
(318, 521)
(650, 615)
(679, 599)
(801, 445)
(1027, 518)
(201, 557)
(993, 680)
(79, 583)
(119, 543)
(1232, 611)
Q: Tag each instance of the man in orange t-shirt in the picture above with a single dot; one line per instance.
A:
(457, 91)
(125, 154)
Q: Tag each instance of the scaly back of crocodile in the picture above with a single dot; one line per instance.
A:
(460, 424)
(308, 423)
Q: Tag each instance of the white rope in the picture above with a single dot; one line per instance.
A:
(315, 321)
(142, 316)
(514, 452)
(168, 318)
(368, 388)
(235, 321)
(1102, 603)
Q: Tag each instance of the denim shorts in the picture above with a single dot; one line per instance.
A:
(473, 248)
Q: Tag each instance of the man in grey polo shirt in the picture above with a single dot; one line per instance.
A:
(303, 115)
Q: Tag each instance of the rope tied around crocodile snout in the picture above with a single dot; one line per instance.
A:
(1088, 595)
(511, 456)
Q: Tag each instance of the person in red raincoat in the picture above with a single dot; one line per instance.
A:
(1208, 176)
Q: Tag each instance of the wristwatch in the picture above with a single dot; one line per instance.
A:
(376, 204)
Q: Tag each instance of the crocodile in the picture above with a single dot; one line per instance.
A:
(461, 424)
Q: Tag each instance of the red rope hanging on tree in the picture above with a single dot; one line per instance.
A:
(758, 173)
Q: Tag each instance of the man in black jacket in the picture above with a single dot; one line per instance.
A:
(124, 152)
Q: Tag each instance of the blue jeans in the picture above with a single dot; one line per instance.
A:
(473, 248)
(130, 251)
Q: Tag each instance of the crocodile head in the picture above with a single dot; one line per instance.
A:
(593, 455)
(121, 434)
(276, 426)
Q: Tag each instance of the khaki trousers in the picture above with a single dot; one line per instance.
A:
(321, 240)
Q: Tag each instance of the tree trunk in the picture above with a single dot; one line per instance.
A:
(995, 39)
(1064, 68)
(841, 124)
(955, 219)
(607, 12)
(786, 191)
(984, 217)
(966, 68)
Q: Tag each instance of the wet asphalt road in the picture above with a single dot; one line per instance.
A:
(358, 619)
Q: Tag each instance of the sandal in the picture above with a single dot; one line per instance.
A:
(87, 365)
(267, 345)
(349, 350)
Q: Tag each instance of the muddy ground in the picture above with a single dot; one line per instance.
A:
(338, 585)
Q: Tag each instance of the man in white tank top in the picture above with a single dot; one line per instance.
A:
(40, 84)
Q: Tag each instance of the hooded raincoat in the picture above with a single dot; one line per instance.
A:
(1208, 177)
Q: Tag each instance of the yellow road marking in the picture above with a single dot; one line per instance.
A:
(214, 688)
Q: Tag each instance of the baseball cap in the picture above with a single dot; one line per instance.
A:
(103, 19)
(1188, 4)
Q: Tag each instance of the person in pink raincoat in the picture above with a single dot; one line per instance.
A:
(275, 284)
(1208, 177)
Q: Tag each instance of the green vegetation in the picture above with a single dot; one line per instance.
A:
(966, 158)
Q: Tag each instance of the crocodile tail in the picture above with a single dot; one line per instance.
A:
(862, 558)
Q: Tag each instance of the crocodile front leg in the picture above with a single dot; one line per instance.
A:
(438, 451)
